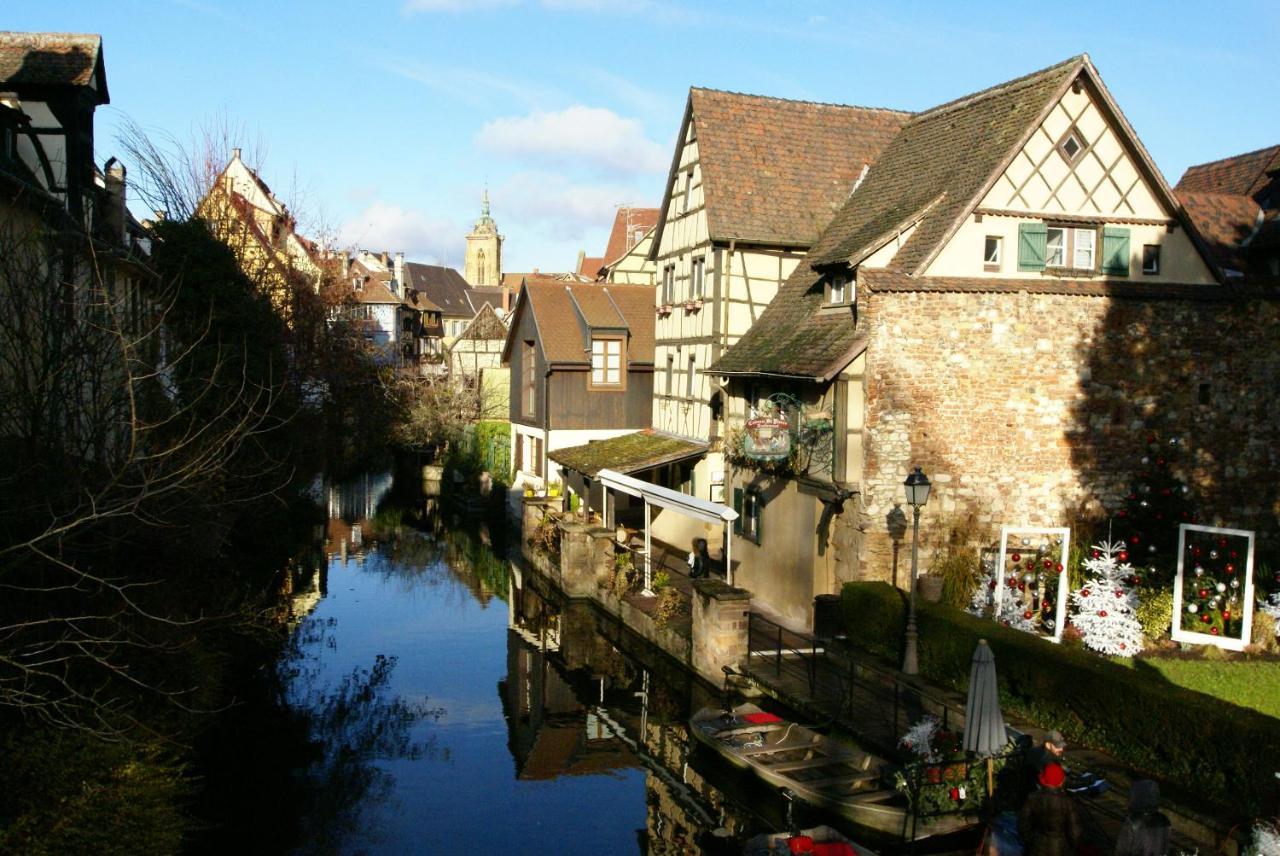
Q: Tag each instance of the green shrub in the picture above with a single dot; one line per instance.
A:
(1264, 632)
(1155, 612)
(957, 561)
(1223, 751)
(661, 580)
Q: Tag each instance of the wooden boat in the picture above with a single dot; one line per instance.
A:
(822, 840)
(824, 773)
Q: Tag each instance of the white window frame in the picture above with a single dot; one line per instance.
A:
(993, 241)
(606, 362)
(1151, 271)
(688, 381)
(696, 278)
(1061, 250)
(1077, 249)
(1068, 257)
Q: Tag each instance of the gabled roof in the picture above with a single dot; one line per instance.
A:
(53, 59)
(493, 296)
(443, 286)
(1241, 175)
(1224, 221)
(566, 315)
(932, 176)
(630, 225)
(774, 171)
(590, 266)
(486, 325)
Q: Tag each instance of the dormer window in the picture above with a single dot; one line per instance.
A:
(1072, 145)
(838, 290)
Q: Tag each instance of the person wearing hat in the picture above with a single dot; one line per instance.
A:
(1145, 832)
(1049, 751)
(1049, 822)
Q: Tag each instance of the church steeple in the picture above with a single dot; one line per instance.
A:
(484, 249)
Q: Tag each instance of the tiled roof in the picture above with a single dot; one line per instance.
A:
(931, 174)
(1223, 221)
(775, 171)
(51, 59)
(374, 290)
(941, 158)
(629, 225)
(628, 453)
(566, 314)
(487, 295)
(443, 286)
(590, 266)
(1241, 175)
(884, 280)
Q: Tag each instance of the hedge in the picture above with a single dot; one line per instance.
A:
(1212, 748)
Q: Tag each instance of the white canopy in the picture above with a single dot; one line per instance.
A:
(663, 497)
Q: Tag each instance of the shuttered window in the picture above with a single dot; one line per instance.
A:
(1031, 246)
(1115, 251)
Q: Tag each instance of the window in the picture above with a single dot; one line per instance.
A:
(688, 381)
(1069, 247)
(838, 291)
(606, 362)
(696, 278)
(671, 368)
(1072, 145)
(1084, 243)
(688, 191)
(992, 253)
(1151, 258)
(528, 358)
(668, 285)
(750, 507)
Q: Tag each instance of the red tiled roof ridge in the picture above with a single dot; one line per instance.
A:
(1232, 158)
(1006, 86)
(759, 97)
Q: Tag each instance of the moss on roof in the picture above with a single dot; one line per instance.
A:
(627, 454)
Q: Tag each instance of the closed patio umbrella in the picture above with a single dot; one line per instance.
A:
(984, 732)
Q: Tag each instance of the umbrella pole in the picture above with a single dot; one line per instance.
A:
(990, 777)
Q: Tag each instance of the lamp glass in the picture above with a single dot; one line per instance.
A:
(917, 485)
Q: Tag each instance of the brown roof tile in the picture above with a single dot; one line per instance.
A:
(590, 266)
(1223, 221)
(1240, 175)
(774, 171)
(567, 313)
(629, 226)
(938, 162)
(51, 59)
(628, 453)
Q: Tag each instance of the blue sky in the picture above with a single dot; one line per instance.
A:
(383, 121)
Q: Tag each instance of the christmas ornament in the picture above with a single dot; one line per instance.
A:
(1017, 557)
(1191, 608)
(1221, 586)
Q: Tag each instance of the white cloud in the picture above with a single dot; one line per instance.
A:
(422, 238)
(549, 203)
(576, 135)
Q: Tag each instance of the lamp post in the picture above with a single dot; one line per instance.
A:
(917, 485)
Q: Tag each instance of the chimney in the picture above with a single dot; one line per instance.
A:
(385, 259)
(399, 275)
(582, 255)
(235, 153)
(346, 266)
(116, 214)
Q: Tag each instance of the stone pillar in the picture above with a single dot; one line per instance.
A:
(720, 634)
(602, 552)
(577, 572)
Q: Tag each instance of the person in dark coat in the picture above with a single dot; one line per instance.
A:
(1145, 832)
(1049, 822)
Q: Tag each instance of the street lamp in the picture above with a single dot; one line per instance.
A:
(917, 485)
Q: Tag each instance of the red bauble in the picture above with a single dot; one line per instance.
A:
(1122, 513)
(1234, 554)
(1046, 605)
(1160, 462)
(1203, 593)
(1119, 593)
(1102, 613)
(1132, 496)
(1230, 569)
(1058, 567)
(1222, 542)
(1122, 646)
(1048, 563)
(1017, 557)
(1196, 551)
(1204, 619)
(1213, 630)
(1226, 614)
(1133, 539)
(1027, 615)
(1013, 581)
(1084, 592)
(1022, 586)
(1166, 492)
(1095, 554)
(992, 585)
(1151, 439)
(1123, 555)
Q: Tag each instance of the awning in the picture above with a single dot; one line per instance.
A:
(628, 453)
(665, 497)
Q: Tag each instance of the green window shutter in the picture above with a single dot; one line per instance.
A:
(1031, 242)
(1115, 251)
(737, 506)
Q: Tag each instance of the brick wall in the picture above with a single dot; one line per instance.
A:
(1034, 408)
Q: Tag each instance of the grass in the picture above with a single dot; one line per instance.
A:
(1248, 683)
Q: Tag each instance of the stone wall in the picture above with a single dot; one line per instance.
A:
(1036, 408)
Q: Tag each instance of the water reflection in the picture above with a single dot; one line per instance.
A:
(582, 749)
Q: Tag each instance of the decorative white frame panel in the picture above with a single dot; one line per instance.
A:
(1060, 616)
(1246, 607)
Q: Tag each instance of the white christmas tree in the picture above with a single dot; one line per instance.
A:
(1013, 612)
(1106, 605)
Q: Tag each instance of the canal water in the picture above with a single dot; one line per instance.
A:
(457, 705)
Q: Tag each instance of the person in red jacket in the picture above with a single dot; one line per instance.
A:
(1049, 823)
